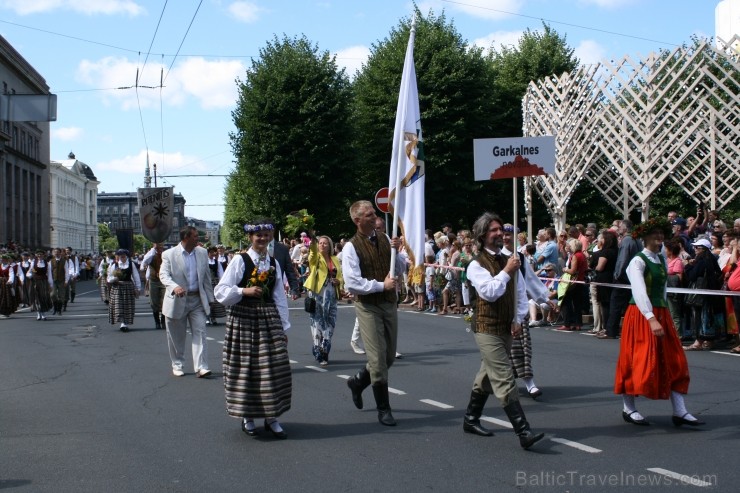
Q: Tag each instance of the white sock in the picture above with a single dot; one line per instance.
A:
(628, 402)
(273, 423)
(529, 382)
(679, 408)
(249, 424)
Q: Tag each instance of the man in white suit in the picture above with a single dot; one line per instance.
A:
(188, 295)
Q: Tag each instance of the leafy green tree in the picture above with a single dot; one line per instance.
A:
(106, 240)
(141, 244)
(455, 99)
(292, 138)
(539, 54)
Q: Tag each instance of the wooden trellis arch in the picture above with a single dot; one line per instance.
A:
(627, 127)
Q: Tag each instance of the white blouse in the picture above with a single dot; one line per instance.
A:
(227, 291)
(636, 275)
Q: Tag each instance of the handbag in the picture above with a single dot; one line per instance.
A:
(695, 299)
(448, 275)
(309, 303)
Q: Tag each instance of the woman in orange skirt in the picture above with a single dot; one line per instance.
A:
(651, 360)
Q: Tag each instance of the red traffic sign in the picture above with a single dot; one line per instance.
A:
(381, 200)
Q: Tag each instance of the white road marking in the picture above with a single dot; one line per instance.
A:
(396, 391)
(346, 377)
(683, 478)
(436, 404)
(293, 362)
(579, 446)
(725, 353)
(496, 421)
(316, 368)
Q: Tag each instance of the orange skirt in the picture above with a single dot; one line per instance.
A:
(650, 366)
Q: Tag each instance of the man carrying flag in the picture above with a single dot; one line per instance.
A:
(363, 257)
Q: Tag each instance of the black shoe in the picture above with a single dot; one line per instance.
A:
(357, 384)
(124, 328)
(534, 393)
(627, 417)
(252, 432)
(472, 425)
(471, 420)
(380, 391)
(521, 427)
(681, 420)
(277, 434)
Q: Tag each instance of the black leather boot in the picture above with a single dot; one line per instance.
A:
(516, 415)
(380, 391)
(162, 321)
(72, 297)
(64, 307)
(357, 384)
(157, 325)
(471, 421)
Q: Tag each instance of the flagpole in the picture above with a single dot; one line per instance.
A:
(400, 158)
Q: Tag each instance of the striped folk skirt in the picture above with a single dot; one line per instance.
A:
(257, 376)
(104, 289)
(122, 302)
(39, 294)
(520, 354)
(217, 309)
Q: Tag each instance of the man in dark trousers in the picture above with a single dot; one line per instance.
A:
(628, 248)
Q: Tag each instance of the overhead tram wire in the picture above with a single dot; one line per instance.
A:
(183, 40)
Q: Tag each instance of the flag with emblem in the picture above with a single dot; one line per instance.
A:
(406, 183)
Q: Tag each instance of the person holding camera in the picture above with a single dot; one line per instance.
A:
(325, 283)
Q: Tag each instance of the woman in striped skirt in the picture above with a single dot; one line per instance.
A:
(40, 286)
(125, 286)
(257, 376)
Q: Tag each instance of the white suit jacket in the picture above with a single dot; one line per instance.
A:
(172, 274)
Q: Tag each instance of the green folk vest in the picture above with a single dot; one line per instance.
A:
(374, 264)
(656, 277)
(495, 317)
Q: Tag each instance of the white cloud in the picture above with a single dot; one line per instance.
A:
(166, 163)
(352, 58)
(212, 83)
(247, 12)
(498, 38)
(67, 133)
(589, 52)
(87, 7)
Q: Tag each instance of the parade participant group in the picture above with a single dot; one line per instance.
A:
(505, 289)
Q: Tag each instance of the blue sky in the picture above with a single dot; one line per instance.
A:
(87, 48)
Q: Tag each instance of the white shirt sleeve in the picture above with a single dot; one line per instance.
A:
(353, 280)
(636, 275)
(491, 288)
(227, 292)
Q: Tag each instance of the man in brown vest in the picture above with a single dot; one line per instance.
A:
(499, 310)
(152, 261)
(365, 265)
(60, 277)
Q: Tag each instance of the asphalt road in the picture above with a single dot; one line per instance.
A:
(87, 408)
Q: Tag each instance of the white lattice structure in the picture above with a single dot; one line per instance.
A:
(628, 126)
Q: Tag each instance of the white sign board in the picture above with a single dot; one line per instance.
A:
(513, 157)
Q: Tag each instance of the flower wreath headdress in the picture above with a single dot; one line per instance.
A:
(651, 225)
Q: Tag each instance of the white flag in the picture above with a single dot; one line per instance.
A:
(406, 183)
